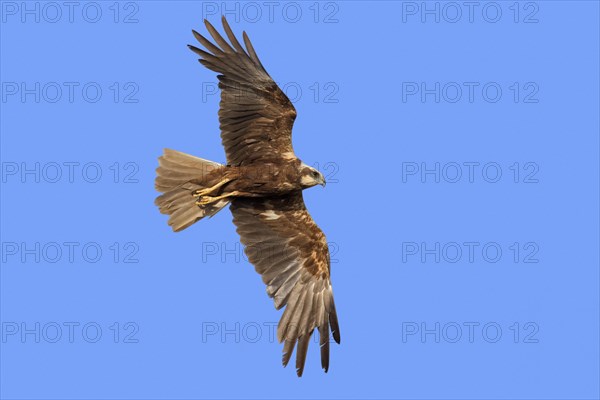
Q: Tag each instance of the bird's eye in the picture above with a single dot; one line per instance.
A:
(315, 173)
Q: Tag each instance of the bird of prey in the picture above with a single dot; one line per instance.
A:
(263, 183)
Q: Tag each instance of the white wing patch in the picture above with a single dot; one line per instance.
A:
(270, 215)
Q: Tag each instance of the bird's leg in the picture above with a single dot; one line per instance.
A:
(204, 192)
(208, 199)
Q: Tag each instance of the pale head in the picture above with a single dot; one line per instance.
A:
(310, 176)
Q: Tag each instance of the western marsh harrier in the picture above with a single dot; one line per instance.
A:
(263, 181)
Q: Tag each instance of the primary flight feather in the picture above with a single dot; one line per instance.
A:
(263, 181)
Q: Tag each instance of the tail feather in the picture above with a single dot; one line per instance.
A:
(176, 168)
(175, 174)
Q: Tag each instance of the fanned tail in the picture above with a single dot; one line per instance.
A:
(178, 176)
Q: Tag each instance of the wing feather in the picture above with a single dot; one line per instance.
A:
(288, 349)
(218, 38)
(292, 256)
(251, 50)
(256, 117)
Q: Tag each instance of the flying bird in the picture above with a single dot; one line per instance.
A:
(263, 182)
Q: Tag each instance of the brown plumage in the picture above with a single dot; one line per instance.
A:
(263, 180)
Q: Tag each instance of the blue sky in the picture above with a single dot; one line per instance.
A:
(460, 143)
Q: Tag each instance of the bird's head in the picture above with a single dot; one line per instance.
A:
(310, 176)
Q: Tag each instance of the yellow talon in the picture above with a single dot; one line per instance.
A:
(204, 192)
(209, 199)
(205, 200)
(200, 193)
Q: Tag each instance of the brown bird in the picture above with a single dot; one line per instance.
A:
(263, 180)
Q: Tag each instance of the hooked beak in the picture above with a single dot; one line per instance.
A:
(323, 181)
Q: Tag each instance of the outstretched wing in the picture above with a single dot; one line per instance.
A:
(256, 116)
(290, 252)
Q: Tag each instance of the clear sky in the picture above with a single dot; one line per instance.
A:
(460, 142)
